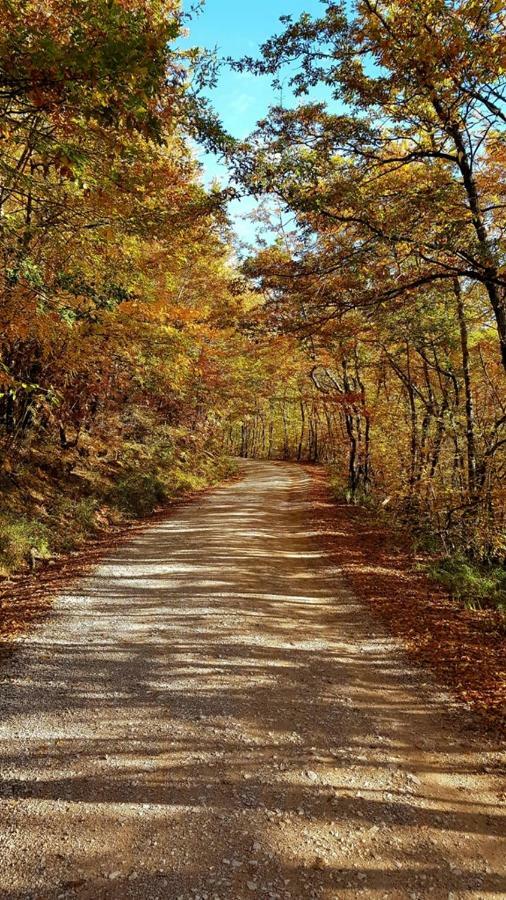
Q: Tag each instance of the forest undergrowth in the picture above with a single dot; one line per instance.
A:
(476, 583)
(56, 502)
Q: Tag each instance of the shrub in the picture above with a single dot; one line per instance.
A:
(72, 521)
(138, 493)
(342, 493)
(477, 585)
(85, 514)
(17, 538)
(182, 482)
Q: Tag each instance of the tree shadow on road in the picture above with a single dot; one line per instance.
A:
(211, 711)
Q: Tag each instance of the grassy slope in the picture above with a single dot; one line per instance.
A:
(54, 500)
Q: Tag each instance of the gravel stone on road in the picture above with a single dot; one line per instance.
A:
(212, 714)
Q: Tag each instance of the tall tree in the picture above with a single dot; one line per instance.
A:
(410, 164)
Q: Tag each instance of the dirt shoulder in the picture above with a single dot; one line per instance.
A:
(465, 648)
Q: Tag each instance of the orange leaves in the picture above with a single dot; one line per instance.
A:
(115, 283)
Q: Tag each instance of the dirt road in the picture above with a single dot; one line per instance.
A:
(211, 714)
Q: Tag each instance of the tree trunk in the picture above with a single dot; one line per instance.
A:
(470, 436)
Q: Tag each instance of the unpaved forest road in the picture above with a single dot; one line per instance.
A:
(211, 714)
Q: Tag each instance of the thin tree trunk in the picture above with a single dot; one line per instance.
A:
(470, 436)
(302, 431)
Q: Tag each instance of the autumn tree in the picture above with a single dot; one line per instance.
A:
(118, 296)
(397, 276)
(411, 159)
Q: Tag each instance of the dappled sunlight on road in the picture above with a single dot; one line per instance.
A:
(211, 712)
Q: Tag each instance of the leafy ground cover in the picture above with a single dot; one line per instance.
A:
(465, 647)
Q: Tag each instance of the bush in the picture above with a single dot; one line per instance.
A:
(85, 514)
(53, 514)
(138, 494)
(474, 584)
(17, 538)
(182, 482)
(72, 521)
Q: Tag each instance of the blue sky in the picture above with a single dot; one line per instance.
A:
(237, 29)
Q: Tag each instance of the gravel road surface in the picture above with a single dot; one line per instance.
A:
(211, 714)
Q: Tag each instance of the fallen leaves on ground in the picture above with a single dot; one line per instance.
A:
(465, 648)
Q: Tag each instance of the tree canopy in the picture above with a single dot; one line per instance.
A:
(393, 283)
